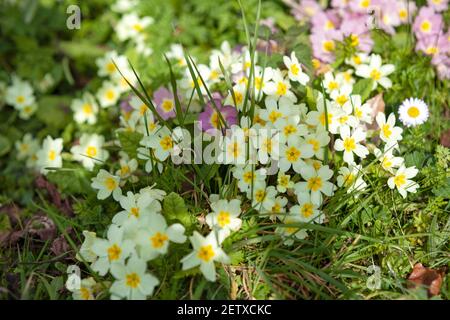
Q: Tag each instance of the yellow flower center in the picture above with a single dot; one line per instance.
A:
(24, 147)
(386, 129)
(354, 40)
(315, 63)
(307, 210)
(258, 83)
(142, 109)
(400, 180)
(375, 74)
(274, 115)
(289, 129)
(328, 45)
(425, 26)
(295, 69)
(91, 151)
(356, 59)
(158, 240)
(132, 280)
(20, 99)
(248, 177)
(260, 195)
(87, 108)
(85, 293)
(110, 94)
(403, 14)
(166, 143)
(223, 218)
(432, 50)
(110, 183)
(322, 118)
(332, 85)
(214, 120)
(238, 97)
(413, 112)
(114, 252)
(349, 144)
(364, 4)
(315, 183)
(358, 113)
(167, 105)
(329, 25)
(206, 253)
(348, 179)
(125, 169)
(292, 154)
(342, 99)
(135, 212)
(284, 181)
(52, 155)
(386, 162)
(138, 27)
(234, 149)
(315, 144)
(281, 89)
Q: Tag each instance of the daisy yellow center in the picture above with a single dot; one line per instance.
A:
(91, 151)
(132, 280)
(248, 177)
(110, 183)
(400, 180)
(295, 69)
(20, 99)
(315, 144)
(314, 183)
(223, 219)
(87, 108)
(413, 112)
(274, 115)
(135, 212)
(349, 144)
(332, 85)
(166, 143)
(114, 252)
(52, 155)
(425, 26)
(356, 59)
(289, 129)
(307, 210)
(214, 75)
(328, 45)
(158, 240)
(292, 154)
(85, 293)
(375, 74)
(281, 89)
(386, 129)
(167, 105)
(206, 253)
(260, 195)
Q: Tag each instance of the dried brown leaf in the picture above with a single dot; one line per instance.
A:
(423, 276)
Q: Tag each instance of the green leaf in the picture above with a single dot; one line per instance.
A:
(130, 142)
(415, 158)
(174, 208)
(52, 111)
(363, 87)
(5, 145)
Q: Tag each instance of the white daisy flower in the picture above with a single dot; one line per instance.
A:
(349, 144)
(133, 282)
(295, 70)
(224, 218)
(50, 154)
(362, 112)
(90, 150)
(389, 133)
(206, 251)
(107, 184)
(401, 180)
(413, 112)
(153, 238)
(114, 249)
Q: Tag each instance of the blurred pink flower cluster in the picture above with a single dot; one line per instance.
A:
(354, 19)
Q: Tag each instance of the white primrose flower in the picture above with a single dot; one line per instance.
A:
(151, 161)
(263, 196)
(346, 78)
(86, 290)
(321, 116)
(342, 98)
(135, 206)
(131, 26)
(85, 110)
(114, 249)
(289, 232)
(26, 112)
(401, 180)
(292, 154)
(224, 217)
(233, 149)
(330, 82)
(316, 183)
(262, 77)
(387, 160)
(358, 59)
(278, 208)
(389, 133)
(413, 112)
(27, 147)
(377, 72)
(238, 91)
(161, 142)
(107, 184)
(284, 182)
(279, 86)
(49, 156)
(281, 109)
(318, 140)
(20, 94)
(295, 70)
(85, 253)
(361, 112)
(247, 175)
(307, 212)
(154, 235)
(90, 150)
(107, 64)
(351, 178)
(349, 143)
(206, 251)
(177, 53)
(108, 94)
(133, 282)
(290, 129)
